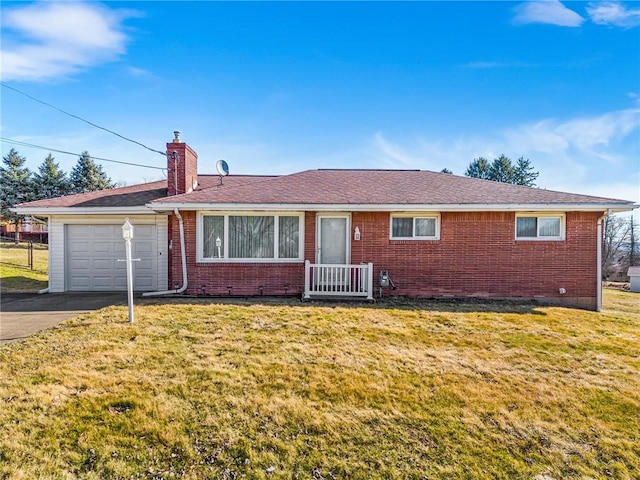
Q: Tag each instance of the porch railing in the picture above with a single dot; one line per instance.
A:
(338, 280)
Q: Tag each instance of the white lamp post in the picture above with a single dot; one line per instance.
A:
(127, 234)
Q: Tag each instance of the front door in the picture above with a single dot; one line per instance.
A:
(333, 239)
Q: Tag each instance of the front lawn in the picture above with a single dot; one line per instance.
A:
(196, 389)
(15, 272)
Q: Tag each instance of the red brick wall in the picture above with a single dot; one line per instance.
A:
(243, 278)
(477, 255)
(186, 168)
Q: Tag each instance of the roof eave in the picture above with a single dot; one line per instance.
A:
(45, 211)
(534, 207)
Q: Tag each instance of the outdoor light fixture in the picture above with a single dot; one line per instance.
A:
(127, 230)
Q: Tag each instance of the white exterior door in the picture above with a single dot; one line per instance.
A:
(332, 239)
(93, 251)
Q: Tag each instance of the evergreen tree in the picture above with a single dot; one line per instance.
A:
(446, 170)
(524, 173)
(16, 186)
(479, 168)
(503, 170)
(88, 176)
(50, 182)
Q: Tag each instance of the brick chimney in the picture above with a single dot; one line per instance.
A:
(182, 167)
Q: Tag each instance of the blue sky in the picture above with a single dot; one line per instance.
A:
(275, 88)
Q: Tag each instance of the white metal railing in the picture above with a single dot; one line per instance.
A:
(338, 280)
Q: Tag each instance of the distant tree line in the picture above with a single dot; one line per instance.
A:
(18, 184)
(620, 248)
(502, 170)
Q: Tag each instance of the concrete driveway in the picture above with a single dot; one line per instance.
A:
(23, 314)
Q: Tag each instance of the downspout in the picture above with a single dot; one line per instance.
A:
(46, 290)
(599, 264)
(183, 257)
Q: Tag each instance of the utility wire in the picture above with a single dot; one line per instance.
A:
(25, 144)
(82, 119)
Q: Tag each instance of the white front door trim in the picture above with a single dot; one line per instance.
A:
(320, 239)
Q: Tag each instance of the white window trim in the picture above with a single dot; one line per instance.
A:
(414, 216)
(563, 225)
(200, 243)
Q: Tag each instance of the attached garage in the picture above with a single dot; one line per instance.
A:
(86, 244)
(85, 253)
(94, 255)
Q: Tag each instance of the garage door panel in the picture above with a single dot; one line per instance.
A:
(102, 247)
(102, 282)
(143, 247)
(80, 281)
(144, 265)
(105, 231)
(102, 264)
(93, 253)
(79, 247)
(144, 282)
(145, 231)
(80, 264)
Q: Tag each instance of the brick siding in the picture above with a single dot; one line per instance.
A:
(187, 169)
(476, 256)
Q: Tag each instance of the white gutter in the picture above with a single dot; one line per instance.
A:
(46, 211)
(183, 256)
(472, 207)
(599, 265)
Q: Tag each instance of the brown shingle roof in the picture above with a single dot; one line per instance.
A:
(129, 196)
(329, 187)
(376, 187)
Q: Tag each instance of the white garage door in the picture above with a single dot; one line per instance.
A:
(93, 251)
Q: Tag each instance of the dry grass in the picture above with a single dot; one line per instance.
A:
(15, 274)
(432, 390)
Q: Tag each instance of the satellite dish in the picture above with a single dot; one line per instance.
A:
(222, 168)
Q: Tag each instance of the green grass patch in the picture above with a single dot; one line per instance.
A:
(21, 279)
(15, 273)
(196, 389)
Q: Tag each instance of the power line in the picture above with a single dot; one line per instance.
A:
(82, 119)
(25, 144)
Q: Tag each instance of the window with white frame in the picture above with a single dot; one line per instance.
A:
(249, 237)
(416, 227)
(540, 226)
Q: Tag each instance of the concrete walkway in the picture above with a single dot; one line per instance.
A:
(23, 314)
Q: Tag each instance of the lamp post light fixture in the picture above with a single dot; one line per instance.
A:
(127, 234)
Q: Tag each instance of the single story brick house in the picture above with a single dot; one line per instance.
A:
(330, 233)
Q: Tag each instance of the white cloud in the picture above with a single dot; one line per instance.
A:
(547, 11)
(45, 41)
(584, 134)
(613, 13)
(393, 154)
(595, 155)
(488, 65)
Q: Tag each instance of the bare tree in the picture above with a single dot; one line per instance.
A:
(616, 238)
(634, 255)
